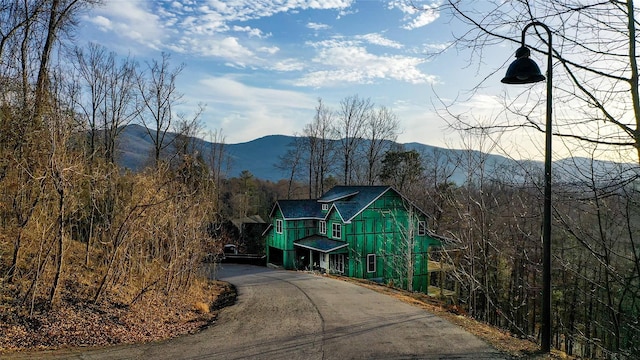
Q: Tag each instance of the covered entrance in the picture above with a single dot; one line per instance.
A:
(321, 254)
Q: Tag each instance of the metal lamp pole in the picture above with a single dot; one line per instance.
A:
(525, 71)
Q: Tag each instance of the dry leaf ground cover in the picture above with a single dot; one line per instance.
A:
(76, 322)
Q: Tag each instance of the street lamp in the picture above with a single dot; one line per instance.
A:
(525, 71)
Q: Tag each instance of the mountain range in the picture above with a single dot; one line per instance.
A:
(260, 157)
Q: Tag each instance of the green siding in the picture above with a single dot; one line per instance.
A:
(376, 230)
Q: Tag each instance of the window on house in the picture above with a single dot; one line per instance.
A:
(422, 228)
(371, 263)
(325, 207)
(336, 231)
(322, 227)
(279, 226)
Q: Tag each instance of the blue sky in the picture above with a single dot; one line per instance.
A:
(260, 65)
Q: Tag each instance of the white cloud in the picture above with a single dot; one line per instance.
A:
(288, 65)
(133, 21)
(243, 10)
(380, 40)
(271, 50)
(417, 15)
(317, 26)
(351, 63)
(227, 48)
(103, 23)
(437, 46)
(255, 111)
(484, 102)
(249, 30)
(203, 27)
(423, 19)
(230, 91)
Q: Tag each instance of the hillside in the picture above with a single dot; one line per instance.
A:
(260, 157)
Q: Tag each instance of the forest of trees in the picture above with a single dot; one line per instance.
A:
(595, 254)
(73, 223)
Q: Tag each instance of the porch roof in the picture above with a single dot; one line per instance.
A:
(321, 243)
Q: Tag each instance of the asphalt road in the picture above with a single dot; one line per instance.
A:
(292, 315)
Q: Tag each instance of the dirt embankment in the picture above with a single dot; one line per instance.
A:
(78, 323)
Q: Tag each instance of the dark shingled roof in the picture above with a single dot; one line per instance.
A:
(340, 192)
(351, 200)
(348, 210)
(321, 243)
(337, 193)
(300, 209)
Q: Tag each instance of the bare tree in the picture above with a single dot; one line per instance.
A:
(290, 163)
(92, 66)
(16, 18)
(381, 131)
(319, 138)
(187, 130)
(218, 161)
(110, 102)
(351, 120)
(59, 15)
(596, 77)
(29, 31)
(437, 194)
(159, 97)
(189, 150)
(121, 106)
(596, 91)
(401, 169)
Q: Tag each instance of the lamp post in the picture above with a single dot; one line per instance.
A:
(525, 71)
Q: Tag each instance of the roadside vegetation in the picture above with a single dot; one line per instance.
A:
(80, 237)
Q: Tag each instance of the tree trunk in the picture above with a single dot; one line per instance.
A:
(60, 246)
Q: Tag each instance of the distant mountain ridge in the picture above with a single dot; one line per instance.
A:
(260, 156)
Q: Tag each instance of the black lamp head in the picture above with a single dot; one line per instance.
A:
(523, 70)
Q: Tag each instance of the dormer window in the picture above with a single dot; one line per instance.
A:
(325, 207)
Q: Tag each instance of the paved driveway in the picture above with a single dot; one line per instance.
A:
(291, 315)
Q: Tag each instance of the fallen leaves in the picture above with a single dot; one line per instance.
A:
(78, 323)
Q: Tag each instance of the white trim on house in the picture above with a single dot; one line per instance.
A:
(279, 223)
(371, 263)
(322, 227)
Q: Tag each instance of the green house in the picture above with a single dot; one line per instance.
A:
(368, 232)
